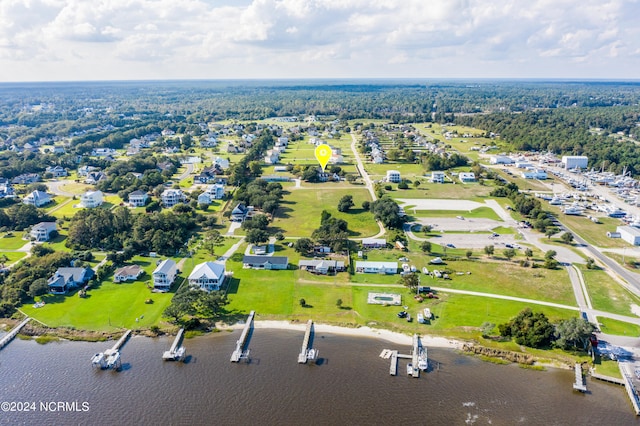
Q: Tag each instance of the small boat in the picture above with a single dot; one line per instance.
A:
(423, 362)
(420, 318)
(409, 369)
(99, 360)
(312, 354)
(427, 313)
(113, 360)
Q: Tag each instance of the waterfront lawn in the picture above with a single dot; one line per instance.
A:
(58, 243)
(12, 240)
(66, 211)
(321, 303)
(299, 212)
(618, 328)
(269, 293)
(606, 294)
(108, 307)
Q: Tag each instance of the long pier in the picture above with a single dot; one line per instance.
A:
(239, 353)
(307, 352)
(120, 343)
(14, 331)
(579, 384)
(631, 389)
(414, 356)
(176, 352)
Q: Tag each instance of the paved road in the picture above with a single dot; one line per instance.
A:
(187, 172)
(55, 187)
(366, 178)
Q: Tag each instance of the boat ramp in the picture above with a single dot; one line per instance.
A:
(110, 359)
(177, 351)
(307, 352)
(13, 333)
(239, 353)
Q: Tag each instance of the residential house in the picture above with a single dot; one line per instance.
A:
(437, 177)
(393, 176)
(321, 266)
(164, 274)
(42, 231)
(37, 198)
(222, 163)
(208, 174)
(374, 243)
(282, 141)
(26, 179)
(66, 279)
(85, 170)
(368, 267)
(265, 262)
(94, 177)
(91, 199)
(272, 157)
(127, 273)
(57, 171)
(167, 132)
(138, 198)
(58, 149)
(103, 152)
(208, 142)
(211, 192)
(170, 197)
(239, 213)
(207, 276)
(467, 177)
(6, 190)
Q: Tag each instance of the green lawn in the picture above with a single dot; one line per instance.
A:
(619, 328)
(12, 240)
(606, 294)
(109, 307)
(459, 191)
(594, 233)
(299, 212)
(12, 256)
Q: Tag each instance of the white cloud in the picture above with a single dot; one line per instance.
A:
(357, 38)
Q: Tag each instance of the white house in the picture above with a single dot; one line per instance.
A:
(393, 176)
(215, 191)
(207, 276)
(467, 177)
(127, 273)
(170, 197)
(376, 267)
(91, 199)
(164, 275)
(66, 279)
(575, 161)
(37, 198)
(223, 163)
(437, 177)
(321, 266)
(373, 243)
(57, 171)
(138, 198)
(629, 234)
(42, 231)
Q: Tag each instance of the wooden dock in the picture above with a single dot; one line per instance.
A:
(239, 353)
(13, 333)
(176, 352)
(393, 369)
(120, 343)
(414, 356)
(307, 352)
(579, 383)
(630, 388)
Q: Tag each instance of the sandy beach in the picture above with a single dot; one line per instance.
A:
(387, 335)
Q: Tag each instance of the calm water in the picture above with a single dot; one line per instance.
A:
(350, 386)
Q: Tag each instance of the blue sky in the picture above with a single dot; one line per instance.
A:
(49, 40)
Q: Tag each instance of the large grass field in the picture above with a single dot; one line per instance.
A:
(299, 212)
(457, 191)
(480, 212)
(594, 233)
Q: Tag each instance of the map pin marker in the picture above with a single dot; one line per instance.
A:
(323, 154)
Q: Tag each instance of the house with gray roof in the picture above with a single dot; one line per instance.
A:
(265, 262)
(66, 279)
(42, 231)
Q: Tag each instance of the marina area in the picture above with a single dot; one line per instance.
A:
(463, 387)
